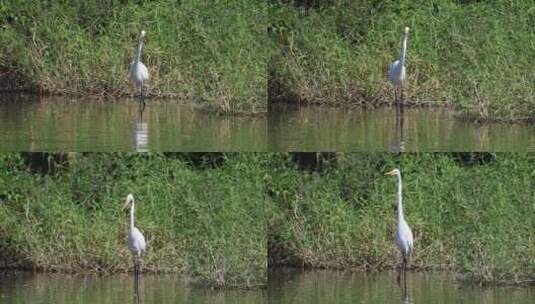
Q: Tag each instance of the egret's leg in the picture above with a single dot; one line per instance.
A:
(395, 95)
(398, 277)
(405, 286)
(136, 290)
(134, 263)
(136, 280)
(142, 96)
(404, 268)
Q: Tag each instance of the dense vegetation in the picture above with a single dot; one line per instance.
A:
(470, 54)
(218, 221)
(471, 214)
(209, 52)
(201, 220)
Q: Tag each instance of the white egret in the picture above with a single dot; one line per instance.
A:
(137, 71)
(136, 240)
(396, 73)
(404, 239)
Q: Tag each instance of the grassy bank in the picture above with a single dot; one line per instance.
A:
(471, 54)
(209, 53)
(472, 216)
(202, 221)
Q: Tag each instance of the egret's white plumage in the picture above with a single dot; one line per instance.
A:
(404, 239)
(137, 71)
(136, 240)
(396, 73)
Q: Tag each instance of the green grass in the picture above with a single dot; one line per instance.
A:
(474, 55)
(474, 219)
(216, 222)
(210, 53)
(204, 222)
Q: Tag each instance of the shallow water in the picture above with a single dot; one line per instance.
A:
(22, 287)
(297, 286)
(59, 124)
(317, 128)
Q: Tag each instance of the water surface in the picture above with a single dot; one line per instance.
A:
(23, 287)
(317, 128)
(60, 124)
(328, 287)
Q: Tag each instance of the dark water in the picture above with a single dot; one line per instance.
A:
(316, 128)
(59, 289)
(55, 124)
(296, 286)
(59, 124)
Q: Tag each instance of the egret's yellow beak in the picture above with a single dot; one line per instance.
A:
(125, 204)
(390, 173)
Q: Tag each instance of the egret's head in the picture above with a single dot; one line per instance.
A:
(406, 30)
(129, 200)
(394, 172)
(142, 33)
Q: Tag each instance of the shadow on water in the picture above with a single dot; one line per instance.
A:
(62, 124)
(287, 285)
(394, 129)
(25, 287)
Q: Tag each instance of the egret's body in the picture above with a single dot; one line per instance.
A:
(137, 71)
(404, 239)
(397, 73)
(136, 240)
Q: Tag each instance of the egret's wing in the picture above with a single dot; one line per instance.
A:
(144, 71)
(139, 239)
(130, 69)
(392, 69)
(408, 236)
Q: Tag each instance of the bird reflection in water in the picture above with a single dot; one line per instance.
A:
(398, 145)
(137, 296)
(141, 133)
(405, 297)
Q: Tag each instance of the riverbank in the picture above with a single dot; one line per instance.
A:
(202, 216)
(472, 56)
(470, 213)
(208, 54)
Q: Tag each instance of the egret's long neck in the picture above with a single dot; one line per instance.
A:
(400, 197)
(403, 50)
(132, 216)
(138, 52)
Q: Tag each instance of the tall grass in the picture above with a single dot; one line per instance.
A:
(216, 221)
(208, 52)
(471, 54)
(204, 222)
(475, 219)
